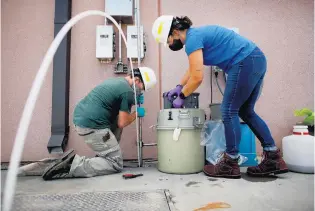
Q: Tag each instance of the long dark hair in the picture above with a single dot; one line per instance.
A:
(180, 23)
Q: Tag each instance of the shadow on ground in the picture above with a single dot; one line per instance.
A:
(269, 178)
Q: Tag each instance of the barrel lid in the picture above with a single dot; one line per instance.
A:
(192, 94)
(186, 118)
(300, 130)
(300, 127)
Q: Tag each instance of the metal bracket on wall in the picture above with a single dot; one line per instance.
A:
(121, 68)
(61, 80)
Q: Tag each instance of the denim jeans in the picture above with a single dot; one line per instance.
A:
(241, 93)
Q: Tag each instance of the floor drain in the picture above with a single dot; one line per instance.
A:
(93, 201)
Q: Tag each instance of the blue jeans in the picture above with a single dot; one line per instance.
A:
(241, 93)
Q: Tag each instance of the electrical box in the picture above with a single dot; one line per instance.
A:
(132, 40)
(105, 43)
(120, 10)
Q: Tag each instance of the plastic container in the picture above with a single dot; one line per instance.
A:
(192, 101)
(298, 150)
(247, 146)
(215, 110)
(213, 137)
(178, 141)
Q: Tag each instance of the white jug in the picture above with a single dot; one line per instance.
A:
(298, 150)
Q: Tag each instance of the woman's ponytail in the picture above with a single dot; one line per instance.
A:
(186, 21)
(181, 23)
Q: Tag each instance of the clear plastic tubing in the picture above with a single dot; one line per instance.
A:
(32, 98)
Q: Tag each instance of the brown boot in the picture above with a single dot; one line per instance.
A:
(227, 167)
(272, 163)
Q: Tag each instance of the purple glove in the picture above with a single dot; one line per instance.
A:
(179, 101)
(174, 92)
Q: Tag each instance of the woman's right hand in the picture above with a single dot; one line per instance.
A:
(173, 93)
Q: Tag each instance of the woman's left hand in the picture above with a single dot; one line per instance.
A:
(178, 102)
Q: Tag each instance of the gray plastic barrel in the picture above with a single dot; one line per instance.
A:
(183, 155)
(215, 111)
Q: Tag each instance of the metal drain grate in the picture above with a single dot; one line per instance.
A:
(93, 201)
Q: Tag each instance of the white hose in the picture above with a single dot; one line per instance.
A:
(31, 100)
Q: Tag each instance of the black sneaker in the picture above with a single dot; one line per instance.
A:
(61, 168)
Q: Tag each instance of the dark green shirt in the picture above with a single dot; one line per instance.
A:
(100, 108)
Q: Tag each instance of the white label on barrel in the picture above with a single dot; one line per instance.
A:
(176, 134)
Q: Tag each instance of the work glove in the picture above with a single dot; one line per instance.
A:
(179, 101)
(141, 111)
(174, 92)
(140, 99)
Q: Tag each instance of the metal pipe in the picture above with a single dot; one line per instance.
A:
(119, 58)
(138, 32)
(160, 60)
(216, 79)
(139, 143)
(105, 19)
(149, 145)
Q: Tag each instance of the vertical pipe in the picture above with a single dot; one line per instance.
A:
(61, 81)
(138, 32)
(105, 19)
(160, 59)
(119, 58)
(139, 143)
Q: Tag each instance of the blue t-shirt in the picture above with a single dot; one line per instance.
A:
(221, 47)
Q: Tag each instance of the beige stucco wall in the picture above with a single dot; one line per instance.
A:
(283, 30)
(27, 31)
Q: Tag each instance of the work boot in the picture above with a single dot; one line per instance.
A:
(272, 163)
(226, 167)
(61, 168)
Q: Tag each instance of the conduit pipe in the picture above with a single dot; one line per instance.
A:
(139, 140)
(159, 59)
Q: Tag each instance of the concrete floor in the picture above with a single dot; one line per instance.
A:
(291, 191)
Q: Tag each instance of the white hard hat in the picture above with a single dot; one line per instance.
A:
(148, 77)
(161, 28)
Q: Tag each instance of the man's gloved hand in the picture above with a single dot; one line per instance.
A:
(141, 111)
(140, 99)
(174, 92)
(179, 101)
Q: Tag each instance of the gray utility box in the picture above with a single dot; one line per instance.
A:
(120, 10)
(192, 101)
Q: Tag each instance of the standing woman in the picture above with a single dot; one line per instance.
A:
(245, 65)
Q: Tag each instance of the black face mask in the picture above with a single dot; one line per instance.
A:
(177, 45)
